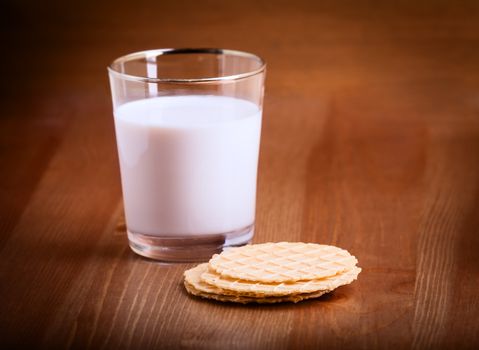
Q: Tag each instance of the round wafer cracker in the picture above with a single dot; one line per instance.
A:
(243, 287)
(195, 286)
(282, 262)
(246, 300)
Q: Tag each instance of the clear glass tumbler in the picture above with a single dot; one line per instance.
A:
(188, 124)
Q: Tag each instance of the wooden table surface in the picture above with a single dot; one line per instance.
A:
(370, 142)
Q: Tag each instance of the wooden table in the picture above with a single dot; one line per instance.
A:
(370, 142)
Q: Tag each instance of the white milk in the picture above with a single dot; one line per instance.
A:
(188, 164)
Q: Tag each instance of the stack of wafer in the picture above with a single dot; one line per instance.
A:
(272, 273)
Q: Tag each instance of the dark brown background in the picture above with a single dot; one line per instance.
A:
(370, 142)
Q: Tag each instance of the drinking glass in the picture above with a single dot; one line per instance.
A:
(188, 124)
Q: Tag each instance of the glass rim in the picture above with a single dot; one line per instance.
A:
(172, 51)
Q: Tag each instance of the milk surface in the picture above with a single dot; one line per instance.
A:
(188, 164)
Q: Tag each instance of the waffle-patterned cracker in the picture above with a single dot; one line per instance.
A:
(195, 286)
(282, 262)
(246, 288)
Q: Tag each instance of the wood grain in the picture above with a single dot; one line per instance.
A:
(370, 142)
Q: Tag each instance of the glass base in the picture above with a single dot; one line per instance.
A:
(187, 248)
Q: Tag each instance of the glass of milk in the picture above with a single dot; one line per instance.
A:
(188, 124)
